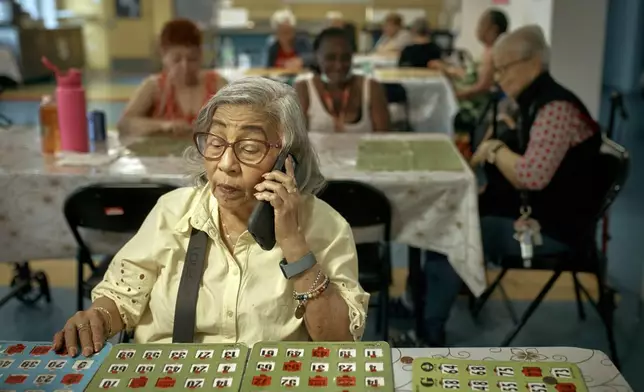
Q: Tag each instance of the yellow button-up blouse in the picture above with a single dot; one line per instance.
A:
(243, 297)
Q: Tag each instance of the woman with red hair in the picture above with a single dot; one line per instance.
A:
(167, 103)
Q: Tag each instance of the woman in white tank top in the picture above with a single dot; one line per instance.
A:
(334, 100)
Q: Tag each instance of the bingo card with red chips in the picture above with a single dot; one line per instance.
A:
(317, 366)
(440, 374)
(172, 367)
(34, 366)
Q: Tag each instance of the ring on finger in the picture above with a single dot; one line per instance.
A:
(82, 326)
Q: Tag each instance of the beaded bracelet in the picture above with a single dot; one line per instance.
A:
(303, 298)
(104, 311)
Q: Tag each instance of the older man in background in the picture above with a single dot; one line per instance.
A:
(394, 37)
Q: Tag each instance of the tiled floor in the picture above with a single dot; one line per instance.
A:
(555, 323)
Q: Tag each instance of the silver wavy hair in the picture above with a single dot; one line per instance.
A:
(527, 41)
(281, 106)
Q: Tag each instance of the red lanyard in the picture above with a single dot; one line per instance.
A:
(338, 118)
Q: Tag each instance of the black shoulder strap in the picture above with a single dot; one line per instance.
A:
(186, 309)
(523, 136)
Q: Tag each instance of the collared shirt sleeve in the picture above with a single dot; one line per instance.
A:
(332, 243)
(133, 271)
(557, 126)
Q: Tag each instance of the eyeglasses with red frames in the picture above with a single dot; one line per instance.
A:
(247, 151)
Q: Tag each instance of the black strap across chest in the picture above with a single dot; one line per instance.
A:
(185, 312)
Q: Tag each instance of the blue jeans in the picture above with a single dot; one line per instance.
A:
(442, 283)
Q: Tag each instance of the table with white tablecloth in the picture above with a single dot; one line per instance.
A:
(432, 210)
(599, 372)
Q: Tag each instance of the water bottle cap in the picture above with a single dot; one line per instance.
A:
(72, 78)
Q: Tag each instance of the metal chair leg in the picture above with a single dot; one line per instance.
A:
(384, 313)
(486, 294)
(528, 313)
(580, 304)
(508, 304)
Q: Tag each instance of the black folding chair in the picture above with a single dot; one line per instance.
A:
(397, 95)
(367, 210)
(112, 208)
(611, 174)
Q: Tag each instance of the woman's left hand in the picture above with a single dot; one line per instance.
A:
(280, 189)
(481, 154)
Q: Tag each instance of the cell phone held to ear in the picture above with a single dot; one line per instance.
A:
(261, 224)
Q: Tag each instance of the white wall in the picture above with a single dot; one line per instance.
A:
(577, 48)
(575, 30)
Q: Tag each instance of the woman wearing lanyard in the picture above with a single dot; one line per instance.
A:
(335, 100)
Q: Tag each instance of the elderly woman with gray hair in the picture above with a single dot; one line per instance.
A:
(422, 50)
(305, 288)
(549, 158)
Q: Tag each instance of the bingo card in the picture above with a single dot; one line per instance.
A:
(315, 366)
(171, 367)
(34, 366)
(437, 374)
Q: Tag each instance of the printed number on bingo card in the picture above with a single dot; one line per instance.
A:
(451, 384)
(508, 386)
(205, 354)
(117, 368)
(477, 370)
(374, 367)
(375, 381)
(226, 368)
(537, 387)
(142, 369)
(124, 355)
(347, 353)
(290, 381)
(152, 354)
(449, 369)
(44, 379)
(83, 364)
(268, 352)
(54, 364)
(172, 368)
(320, 367)
(373, 352)
(178, 354)
(561, 373)
(109, 383)
(479, 385)
(199, 369)
(294, 352)
(8, 362)
(347, 367)
(193, 383)
(504, 371)
(229, 354)
(222, 382)
(265, 366)
(29, 364)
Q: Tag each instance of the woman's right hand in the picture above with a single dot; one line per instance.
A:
(85, 332)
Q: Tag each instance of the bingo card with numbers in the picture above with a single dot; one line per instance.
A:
(316, 366)
(447, 374)
(172, 367)
(35, 367)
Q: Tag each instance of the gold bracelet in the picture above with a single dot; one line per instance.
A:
(109, 319)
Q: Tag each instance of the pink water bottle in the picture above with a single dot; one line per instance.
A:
(72, 108)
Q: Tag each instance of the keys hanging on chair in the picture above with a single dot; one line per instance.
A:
(528, 233)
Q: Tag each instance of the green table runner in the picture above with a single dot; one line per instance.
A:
(408, 155)
(160, 146)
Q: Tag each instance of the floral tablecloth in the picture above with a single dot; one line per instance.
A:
(599, 372)
(434, 210)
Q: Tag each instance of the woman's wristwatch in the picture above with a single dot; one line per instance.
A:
(291, 270)
(491, 155)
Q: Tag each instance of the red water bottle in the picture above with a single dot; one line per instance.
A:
(72, 108)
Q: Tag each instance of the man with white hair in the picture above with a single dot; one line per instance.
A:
(547, 163)
(286, 49)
